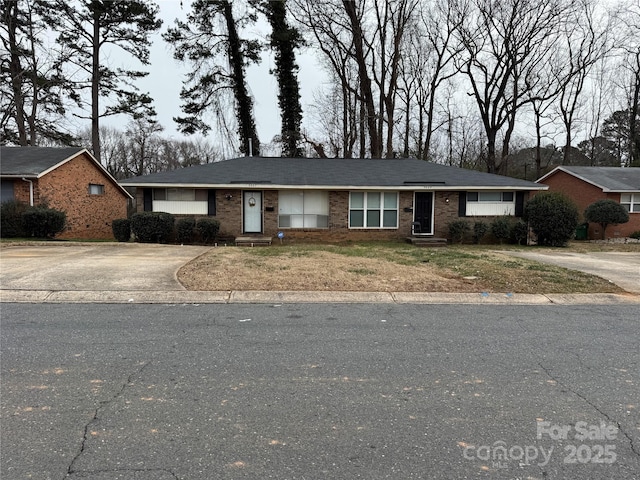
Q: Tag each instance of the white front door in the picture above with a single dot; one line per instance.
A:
(252, 212)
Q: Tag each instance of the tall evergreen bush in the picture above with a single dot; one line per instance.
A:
(553, 217)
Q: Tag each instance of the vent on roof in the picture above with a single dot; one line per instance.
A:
(425, 182)
(251, 182)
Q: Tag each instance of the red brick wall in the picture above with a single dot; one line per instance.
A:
(445, 212)
(67, 188)
(584, 194)
(229, 214)
(21, 191)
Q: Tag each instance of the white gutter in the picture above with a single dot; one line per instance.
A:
(30, 190)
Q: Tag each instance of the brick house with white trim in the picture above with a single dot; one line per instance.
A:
(585, 185)
(331, 200)
(68, 179)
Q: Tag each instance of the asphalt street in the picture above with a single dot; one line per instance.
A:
(290, 391)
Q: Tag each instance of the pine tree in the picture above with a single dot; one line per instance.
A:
(210, 42)
(30, 83)
(284, 40)
(85, 28)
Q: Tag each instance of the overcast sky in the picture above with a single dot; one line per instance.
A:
(166, 75)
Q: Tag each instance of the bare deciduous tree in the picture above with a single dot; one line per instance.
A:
(503, 40)
(586, 41)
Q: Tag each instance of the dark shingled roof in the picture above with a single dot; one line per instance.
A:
(337, 173)
(32, 161)
(610, 179)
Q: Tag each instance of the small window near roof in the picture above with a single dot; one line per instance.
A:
(96, 189)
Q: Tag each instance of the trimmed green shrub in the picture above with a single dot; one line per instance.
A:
(185, 229)
(11, 218)
(480, 229)
(519, 232)
(605, 213)
(635, 235)
(501, 228)
(43, 222)
(149, 227)
(553, 217)
(458, 229)
(208, 229)
(121, 228)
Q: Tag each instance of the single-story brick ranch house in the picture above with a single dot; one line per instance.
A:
(68, 179)
(331, 200)
(585, 185)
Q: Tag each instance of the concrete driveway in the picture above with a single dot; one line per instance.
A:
(97, 267)
(622, 268)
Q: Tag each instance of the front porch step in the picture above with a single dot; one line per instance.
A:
(253, 241)
(427, 241)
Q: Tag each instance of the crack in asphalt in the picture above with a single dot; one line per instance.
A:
(547, 371)
(593, 405)
(102, 404)
(134, 470)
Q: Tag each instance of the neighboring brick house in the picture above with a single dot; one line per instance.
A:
(331, 200)
(68, 179)
(585, 185)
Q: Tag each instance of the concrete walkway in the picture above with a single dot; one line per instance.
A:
(146, 273)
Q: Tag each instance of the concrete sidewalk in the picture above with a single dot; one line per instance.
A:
(268, 297)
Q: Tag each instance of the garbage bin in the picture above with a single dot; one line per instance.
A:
(581, 231)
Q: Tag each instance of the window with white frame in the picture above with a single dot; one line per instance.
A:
(303, 209)
(96, 189)
(373, 210)
(488, 203)
(630, 201)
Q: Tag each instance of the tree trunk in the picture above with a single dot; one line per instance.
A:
(491, 150)
(95, 86)
(365, 81)
(538, 145)
(15, 70)
(566, 157)
(246, 123)
(634, 128)
(284, 40)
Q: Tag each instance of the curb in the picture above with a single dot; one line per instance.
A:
(266, 297)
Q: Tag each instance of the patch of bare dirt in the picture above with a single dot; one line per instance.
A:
(236, 269)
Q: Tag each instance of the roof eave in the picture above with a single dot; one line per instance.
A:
(270, 186)
(579, 177)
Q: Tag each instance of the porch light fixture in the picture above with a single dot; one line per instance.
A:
(446, 200)
(228, 196)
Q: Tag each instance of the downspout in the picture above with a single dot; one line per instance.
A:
(30, 190)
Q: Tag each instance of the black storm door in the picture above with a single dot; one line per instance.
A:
(423, 211)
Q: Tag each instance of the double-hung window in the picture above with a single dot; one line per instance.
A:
(630, 201)
(373, 210)
(303, 209)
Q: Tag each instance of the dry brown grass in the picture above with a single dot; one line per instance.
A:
(381, 267)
